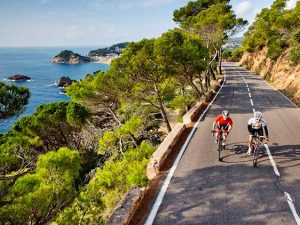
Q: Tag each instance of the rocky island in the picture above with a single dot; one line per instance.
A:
(19, 77)
(69, 57)
(64, 81)
(101, 55)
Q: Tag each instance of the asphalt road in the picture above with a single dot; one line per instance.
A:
(232, 192)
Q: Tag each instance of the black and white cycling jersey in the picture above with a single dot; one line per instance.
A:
(255, 124)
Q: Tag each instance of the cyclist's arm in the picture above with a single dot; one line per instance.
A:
(249, 128)
(229, 128)
(213, 127)
(266, 131)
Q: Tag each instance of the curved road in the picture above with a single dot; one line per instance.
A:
(232, 192)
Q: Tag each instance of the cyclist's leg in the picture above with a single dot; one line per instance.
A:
(218, 131)
(224, 136)
(252, 131)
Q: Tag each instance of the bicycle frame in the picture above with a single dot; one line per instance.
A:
(220, 139)
(255, 144)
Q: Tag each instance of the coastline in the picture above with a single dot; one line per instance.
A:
(108, 62)
(103, 59)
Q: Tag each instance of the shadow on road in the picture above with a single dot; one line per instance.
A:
(235, 194)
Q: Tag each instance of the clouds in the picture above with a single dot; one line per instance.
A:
(246, 9)
(243, 8)
(249, 8)
(291, 4)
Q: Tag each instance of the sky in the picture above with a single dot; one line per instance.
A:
(96, 22)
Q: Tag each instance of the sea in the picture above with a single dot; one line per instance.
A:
(35, 63)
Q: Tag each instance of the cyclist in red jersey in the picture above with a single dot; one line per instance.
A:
(222, 122)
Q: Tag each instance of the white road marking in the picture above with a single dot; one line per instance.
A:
(292, 207)
(251, 102)
(276, 171)
(166, 183)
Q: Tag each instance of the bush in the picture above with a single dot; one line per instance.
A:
(105, 190)
(295, 54)
(237, 54)
(297, 36)
(275, 48)
(232, 55)
(226, 55)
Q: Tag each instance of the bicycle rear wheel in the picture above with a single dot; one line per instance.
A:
(255, 156)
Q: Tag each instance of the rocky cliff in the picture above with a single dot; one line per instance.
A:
(282, 73)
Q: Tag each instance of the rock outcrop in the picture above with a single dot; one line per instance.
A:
(64, 81)
(283, 74)
(19, 77)
(69, 57)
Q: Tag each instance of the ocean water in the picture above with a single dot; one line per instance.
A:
(34, 62)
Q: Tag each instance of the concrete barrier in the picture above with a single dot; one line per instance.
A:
(132, 199)
(126, 208)
(164, 149)
(190, 115)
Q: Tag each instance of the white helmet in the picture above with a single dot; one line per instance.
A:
(257, 115)
(225, 113)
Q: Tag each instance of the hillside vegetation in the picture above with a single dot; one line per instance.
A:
(272, 47)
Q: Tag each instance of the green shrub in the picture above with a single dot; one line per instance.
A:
(226, 55)
(108, 186)
(297, 36)
(295, 54)
(275, 48)
(237, 54)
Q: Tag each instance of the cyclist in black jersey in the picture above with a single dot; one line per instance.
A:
(257, 124)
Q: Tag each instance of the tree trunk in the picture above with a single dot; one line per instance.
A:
(220, 61)
(212, 72)
(162, 109)
(164, 115)
(183, 94)
(207, 80)
(199, 94)
(201, 85)
(210, 66)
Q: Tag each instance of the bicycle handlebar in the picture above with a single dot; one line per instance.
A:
(261, 137)
(214, 131)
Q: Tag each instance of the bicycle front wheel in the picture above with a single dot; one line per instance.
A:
(220, 148)
(255, 157)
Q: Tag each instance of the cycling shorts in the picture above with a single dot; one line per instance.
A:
(221, 129)
(259, 131)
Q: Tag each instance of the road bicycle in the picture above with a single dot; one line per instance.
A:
(255, 144)
(220, 139)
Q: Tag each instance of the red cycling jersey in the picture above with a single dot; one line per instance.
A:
(223, 123)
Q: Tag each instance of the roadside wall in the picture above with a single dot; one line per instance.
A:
(133, 198)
